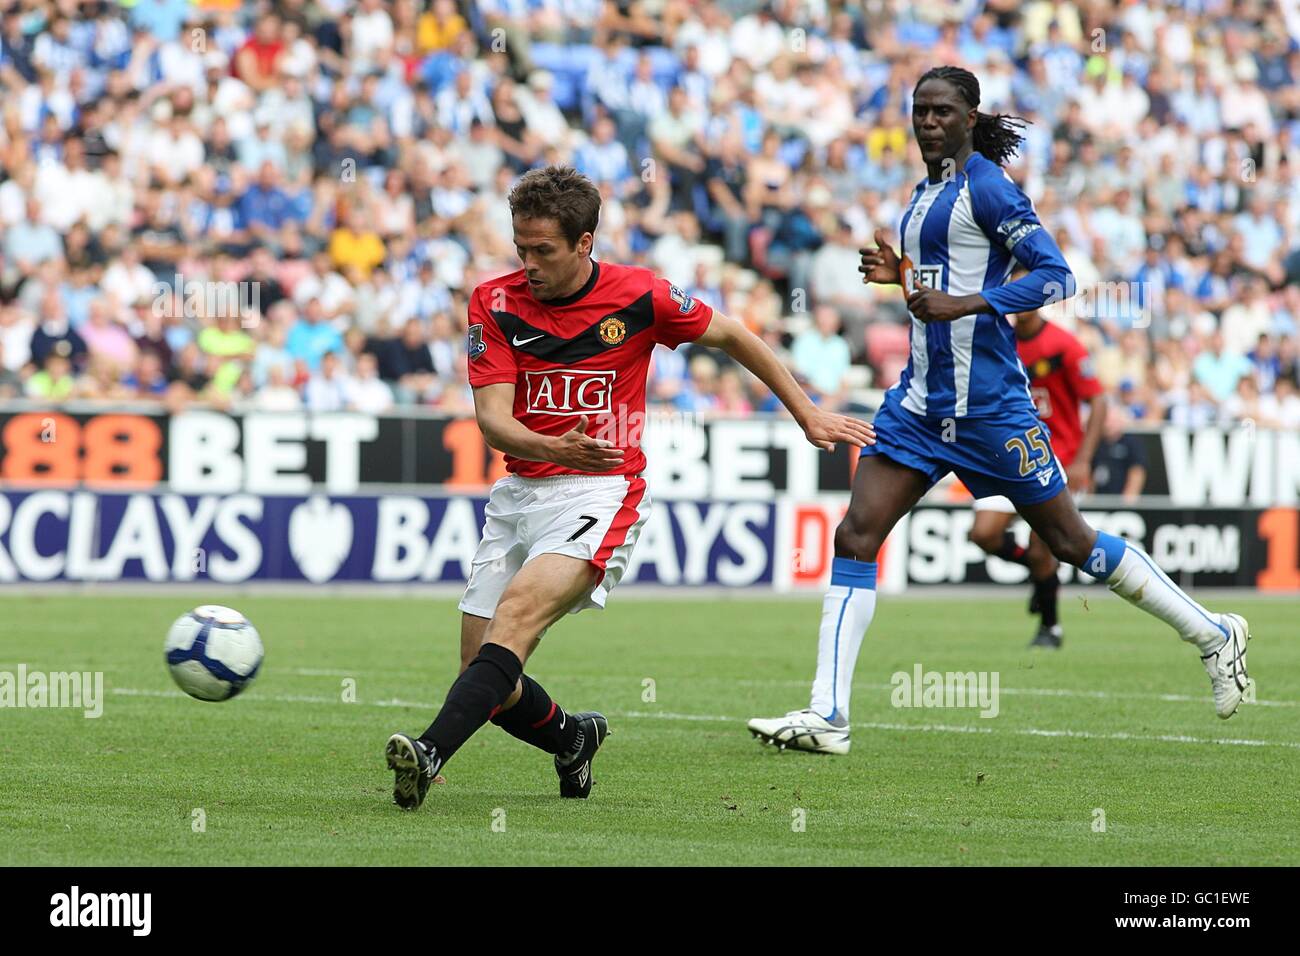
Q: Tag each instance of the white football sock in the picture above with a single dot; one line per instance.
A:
(1138, 580)
(846, 613)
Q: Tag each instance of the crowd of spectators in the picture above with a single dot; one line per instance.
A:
(344, 166)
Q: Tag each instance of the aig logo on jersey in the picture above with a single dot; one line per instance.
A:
(570, 391)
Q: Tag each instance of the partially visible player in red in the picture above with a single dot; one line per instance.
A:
(558, 357)
(1062, 380)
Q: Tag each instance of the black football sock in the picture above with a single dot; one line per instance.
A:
(1010, 551)
(538, 720)
(473, 700)
(1045, 598)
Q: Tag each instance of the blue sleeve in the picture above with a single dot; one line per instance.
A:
(1007, 217)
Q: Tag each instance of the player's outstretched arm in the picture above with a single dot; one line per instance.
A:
(494, 407)
(823, 428)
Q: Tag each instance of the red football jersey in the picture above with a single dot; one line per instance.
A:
(1061, 375)
(586, 354)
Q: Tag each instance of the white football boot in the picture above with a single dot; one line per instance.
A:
(803, 730)
(1227, 667)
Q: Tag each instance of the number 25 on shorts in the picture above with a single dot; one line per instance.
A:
(1041, 451)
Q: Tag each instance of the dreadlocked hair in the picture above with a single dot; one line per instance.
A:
(996, 135)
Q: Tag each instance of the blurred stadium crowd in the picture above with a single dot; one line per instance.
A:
(345, 165)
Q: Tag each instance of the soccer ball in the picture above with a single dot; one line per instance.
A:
(213, 652)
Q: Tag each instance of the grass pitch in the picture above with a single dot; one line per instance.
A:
(1116, 730)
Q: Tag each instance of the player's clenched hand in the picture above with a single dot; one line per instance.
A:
(931, 305)
(826, 429)
(577, 450)
(881, 263)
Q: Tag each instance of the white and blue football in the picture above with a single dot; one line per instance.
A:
(213, 652)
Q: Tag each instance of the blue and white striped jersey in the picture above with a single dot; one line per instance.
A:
(964, 236)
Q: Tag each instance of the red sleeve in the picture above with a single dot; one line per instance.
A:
(1079, 373)
(491, 360)
(678, 317)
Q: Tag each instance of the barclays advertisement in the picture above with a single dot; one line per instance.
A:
(78, 535)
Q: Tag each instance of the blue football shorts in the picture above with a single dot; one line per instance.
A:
(1009, 454)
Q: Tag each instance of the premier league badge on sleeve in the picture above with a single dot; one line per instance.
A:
(476, 344)
(684, 301)
(1013, 230)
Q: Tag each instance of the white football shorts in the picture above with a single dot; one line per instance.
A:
(999, 503)
(594, 518)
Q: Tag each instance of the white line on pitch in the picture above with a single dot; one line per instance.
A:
(1026, 732)
(1041, 692)
(717, 718)
(277, 698)
(1026, 691)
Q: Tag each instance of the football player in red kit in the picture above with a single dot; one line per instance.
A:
(1062, 380)
(558, 357)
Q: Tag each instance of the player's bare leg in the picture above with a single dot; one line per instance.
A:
(472, 629)
(883, 491)
(1130, 573)
(541, 593)
(991, 531)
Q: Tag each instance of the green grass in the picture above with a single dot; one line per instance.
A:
(290, 774)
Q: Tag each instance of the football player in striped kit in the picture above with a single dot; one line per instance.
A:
(963, 405)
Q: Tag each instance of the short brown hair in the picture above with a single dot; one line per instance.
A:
(560, 193)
